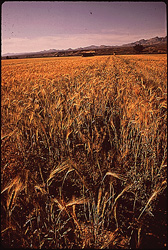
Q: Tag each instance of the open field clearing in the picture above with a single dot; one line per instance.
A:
(84, 152)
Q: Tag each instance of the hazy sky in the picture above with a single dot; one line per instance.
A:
(34, 26)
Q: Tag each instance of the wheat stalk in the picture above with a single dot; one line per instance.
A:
(114, 175)
(155, 193)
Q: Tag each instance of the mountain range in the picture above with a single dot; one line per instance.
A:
(151, 41)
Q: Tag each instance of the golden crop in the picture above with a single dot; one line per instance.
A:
(82, 138)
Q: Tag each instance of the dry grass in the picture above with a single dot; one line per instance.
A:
(84, 151)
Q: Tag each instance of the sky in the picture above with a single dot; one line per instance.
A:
(31, 26)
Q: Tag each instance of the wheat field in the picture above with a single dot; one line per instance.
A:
(84, 152)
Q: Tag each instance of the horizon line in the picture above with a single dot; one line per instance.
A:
(59, 50)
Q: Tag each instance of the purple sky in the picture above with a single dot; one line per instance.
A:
(34, 26)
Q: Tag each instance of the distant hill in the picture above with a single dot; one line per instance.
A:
(151, 41)
(156, 41)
